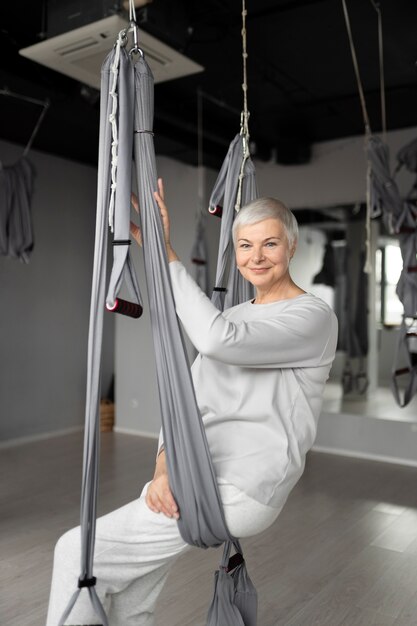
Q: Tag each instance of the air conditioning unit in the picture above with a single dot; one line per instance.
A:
(80, 53)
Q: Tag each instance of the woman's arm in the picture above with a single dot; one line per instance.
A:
(302, 334)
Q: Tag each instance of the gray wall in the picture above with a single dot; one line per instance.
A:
(45, 304)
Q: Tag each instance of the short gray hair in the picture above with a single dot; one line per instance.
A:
(263, 209)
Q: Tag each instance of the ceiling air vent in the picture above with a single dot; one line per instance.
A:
(80, 53)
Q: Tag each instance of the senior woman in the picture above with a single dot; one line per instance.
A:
(259, 379)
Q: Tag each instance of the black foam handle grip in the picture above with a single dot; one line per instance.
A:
(131, 309)
(216, 210)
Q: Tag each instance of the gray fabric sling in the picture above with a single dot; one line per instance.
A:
(385, 197)
(404, 371)
(189, 463)
(90, 474)
(16, 188)
(190, 469)
(231, 288)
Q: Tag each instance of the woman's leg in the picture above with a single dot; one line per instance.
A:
(244, 516)
(134, 550)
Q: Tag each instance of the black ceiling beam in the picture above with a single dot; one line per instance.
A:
(284, 7)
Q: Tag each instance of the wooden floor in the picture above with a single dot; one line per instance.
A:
(343, 551)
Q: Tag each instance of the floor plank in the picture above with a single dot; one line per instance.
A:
(342, 553)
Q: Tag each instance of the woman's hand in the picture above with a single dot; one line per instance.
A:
(160, 199)
(159, 497)
(135, 230)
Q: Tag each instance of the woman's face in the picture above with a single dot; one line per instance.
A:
(263, 253)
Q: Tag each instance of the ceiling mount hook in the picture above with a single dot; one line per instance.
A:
(133, 27)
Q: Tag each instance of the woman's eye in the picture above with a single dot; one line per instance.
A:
(244, 245)
(271, 244)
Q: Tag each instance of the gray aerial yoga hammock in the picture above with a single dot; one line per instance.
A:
(231, 288)
(190, 469)
(406, 229)
(16, 188)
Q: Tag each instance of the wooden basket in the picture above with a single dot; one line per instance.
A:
(106, 416)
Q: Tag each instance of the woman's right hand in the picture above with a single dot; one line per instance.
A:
(159, 497)
(135, 230)
(160, 199)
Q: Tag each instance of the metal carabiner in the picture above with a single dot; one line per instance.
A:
(135, 48)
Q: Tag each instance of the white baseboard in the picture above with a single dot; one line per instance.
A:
(357, 435)
(19, 441)
(364, 455)
(136, 433)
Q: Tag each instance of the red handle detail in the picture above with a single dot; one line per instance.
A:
(131, 309)
(216, 210)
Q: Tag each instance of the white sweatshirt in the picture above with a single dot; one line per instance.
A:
(259, 380)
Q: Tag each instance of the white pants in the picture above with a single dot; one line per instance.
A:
(134, 551)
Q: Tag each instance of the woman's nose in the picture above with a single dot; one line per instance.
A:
(258, 255)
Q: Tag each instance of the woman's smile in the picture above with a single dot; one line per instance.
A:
(262, 257)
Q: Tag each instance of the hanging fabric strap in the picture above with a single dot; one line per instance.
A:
(188, 458)
(89, 485)
(230, 287)
(405, 363)
(121, 122)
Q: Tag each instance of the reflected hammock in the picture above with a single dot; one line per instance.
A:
(399, 218)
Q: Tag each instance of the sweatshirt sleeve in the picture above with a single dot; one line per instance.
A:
(303, 335)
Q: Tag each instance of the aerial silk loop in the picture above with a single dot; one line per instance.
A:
(406, 230)
(191, 473)
(404, 372)
(407, 157)
(230, 287)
